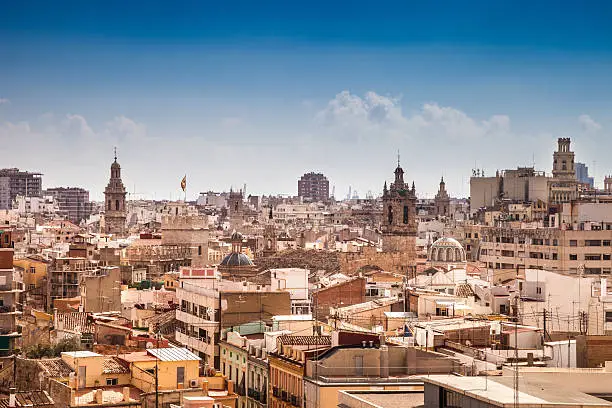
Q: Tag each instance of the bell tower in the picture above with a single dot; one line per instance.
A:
(269, 236)
(399, 223)
(442, 200)
(114, 202)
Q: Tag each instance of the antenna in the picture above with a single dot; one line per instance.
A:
(115, 150)
(398, 158)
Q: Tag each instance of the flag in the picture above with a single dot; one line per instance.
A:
(184, 182)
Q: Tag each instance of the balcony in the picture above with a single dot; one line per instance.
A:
(193, 342)
(192, 319)
(8, 309)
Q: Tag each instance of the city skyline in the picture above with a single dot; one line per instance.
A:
(230, 100)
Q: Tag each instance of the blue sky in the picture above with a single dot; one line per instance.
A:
(261, 92)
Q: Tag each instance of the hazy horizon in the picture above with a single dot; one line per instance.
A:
(260, 94)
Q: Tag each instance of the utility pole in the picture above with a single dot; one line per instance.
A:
(156, 372)
(544, 325)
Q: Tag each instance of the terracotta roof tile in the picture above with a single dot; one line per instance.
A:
(288, 340)
(112, 365)
(55, 367)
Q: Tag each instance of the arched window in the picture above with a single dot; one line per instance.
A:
(405, 214)
(390, 215)
(564, 165)
(109, 205)
(117, 205)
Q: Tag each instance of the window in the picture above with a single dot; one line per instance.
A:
(592, 257)
(573, 243)
(592, 242)
(475, 235)
(573, 257)
(32, 269)
(555, 242)
(405, 214)
(390, 215)
(450, 399)
(180, 375)
(606, 257)
(555, 256)
(539, 290)
(605, 242)
(608, 316)
(31, 286)
(117, 205)
(112, 381)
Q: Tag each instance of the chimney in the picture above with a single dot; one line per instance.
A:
(529, 359)
(12, 398)
(230, 387)
(126, 394)
(384, 361)
(205, 387)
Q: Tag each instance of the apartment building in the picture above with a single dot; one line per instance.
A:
(313, 187)
(14, 182)
(73, 202)
(209, 304)
(288, 367)
(65, 277)
(9, 296)
(569, 251)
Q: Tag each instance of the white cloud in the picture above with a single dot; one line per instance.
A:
(379, 115)
(588, 124)
(122, 128)
(4, 101)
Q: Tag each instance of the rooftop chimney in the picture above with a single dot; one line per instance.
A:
(126, 394)
(12, 398)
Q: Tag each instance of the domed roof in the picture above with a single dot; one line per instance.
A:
(236, 259)
(447, 249)
(446, 242)
(236, 236)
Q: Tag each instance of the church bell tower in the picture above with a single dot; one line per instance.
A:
(114, 199)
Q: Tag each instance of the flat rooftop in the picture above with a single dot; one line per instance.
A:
(382, 399)
(499, 391)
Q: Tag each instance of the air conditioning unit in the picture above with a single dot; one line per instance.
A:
(193, 383)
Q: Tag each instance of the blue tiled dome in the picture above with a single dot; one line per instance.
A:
(236, 259)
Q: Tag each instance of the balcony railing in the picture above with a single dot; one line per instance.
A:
(7, 309)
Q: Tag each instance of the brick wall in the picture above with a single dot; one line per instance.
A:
(348, 293)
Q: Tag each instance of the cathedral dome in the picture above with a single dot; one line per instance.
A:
(447, 249)
(236, 259)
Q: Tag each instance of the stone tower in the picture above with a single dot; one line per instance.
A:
(442, 200)
(399, 224)
(563, 160)
(235, 208)
(269, 236)
(563, 187)
(114, 198)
